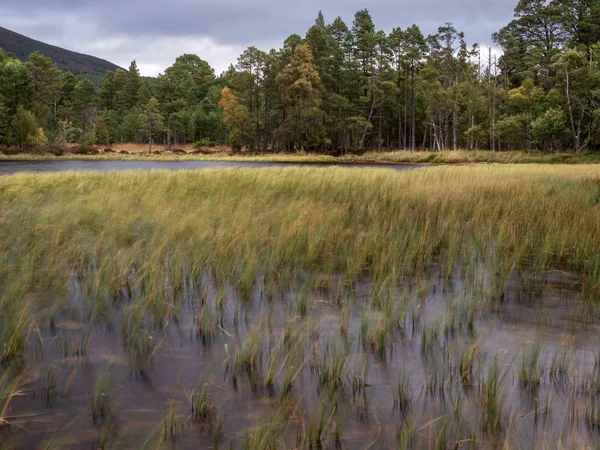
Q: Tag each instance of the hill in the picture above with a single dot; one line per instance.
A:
(76, 63)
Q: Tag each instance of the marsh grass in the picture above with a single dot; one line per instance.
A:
(15, 325)
(493, 398)
(323, 424)
(402, 393)
(465, 362)
(562, 365)
(103, 399)
(248, 357)
(529, 371)
(312, 284)
(139, 340)
(203, 408)
(395, 156)
(417, 214)
(9, 391)
(50, 388)
(332, 367)
(207, 324)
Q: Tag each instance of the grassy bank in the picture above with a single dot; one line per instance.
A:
(300, 292)
(394, 157)
(329, 220)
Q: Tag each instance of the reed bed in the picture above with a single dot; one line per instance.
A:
(383, 157)
(342, 307)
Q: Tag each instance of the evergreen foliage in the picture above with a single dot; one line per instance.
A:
(343, 89)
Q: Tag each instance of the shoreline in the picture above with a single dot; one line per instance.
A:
(399, 158)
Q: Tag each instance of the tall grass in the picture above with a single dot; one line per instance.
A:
(135, 229)
(395, 156)
(270, 264)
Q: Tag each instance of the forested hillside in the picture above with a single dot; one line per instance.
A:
(339, 88)
(68, 61)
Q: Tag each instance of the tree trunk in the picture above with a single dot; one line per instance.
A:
(267, 123)
(572, 120)
(150, 139)
(379, 132)
(169, 134)
(472, 143)
(400, 134)
(494, 117)
(405, 129)
(257, 143)
(455, 118)
(413, 134)
(445, 143)
(364, 135)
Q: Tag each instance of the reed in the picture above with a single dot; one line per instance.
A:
(527, 220)
(309, 284)
(492, 398)
(103, 398)
(529, 372)
(402, 393)
(202, 408)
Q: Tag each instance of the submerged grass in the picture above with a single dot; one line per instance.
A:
(101, 404)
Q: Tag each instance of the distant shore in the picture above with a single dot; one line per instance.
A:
(386, 157)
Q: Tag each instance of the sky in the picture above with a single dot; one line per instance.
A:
(155, 32)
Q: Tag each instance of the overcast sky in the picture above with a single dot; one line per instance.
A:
(155, 32)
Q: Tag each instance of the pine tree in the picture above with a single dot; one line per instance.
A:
(121, 100)
(144, 93)
(339, 88)
(132, 87)
(253, 62)
(107, 91)
(302, 97)
(85, 106)
(47, 80)
(152, 121)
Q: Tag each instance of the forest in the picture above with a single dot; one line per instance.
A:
(341, 88)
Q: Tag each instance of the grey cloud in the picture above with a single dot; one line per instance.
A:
(234, 23)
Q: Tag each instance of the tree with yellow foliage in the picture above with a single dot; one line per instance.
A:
(238, 119)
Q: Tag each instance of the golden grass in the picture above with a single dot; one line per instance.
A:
(142, 148)
(149, 234)
(272, 220)
(138, 152)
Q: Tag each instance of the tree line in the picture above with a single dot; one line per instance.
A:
(338, 89)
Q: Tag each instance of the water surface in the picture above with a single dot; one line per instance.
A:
(424, 349)
(11, 167)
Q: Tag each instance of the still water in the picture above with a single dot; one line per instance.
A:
(11, 167)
